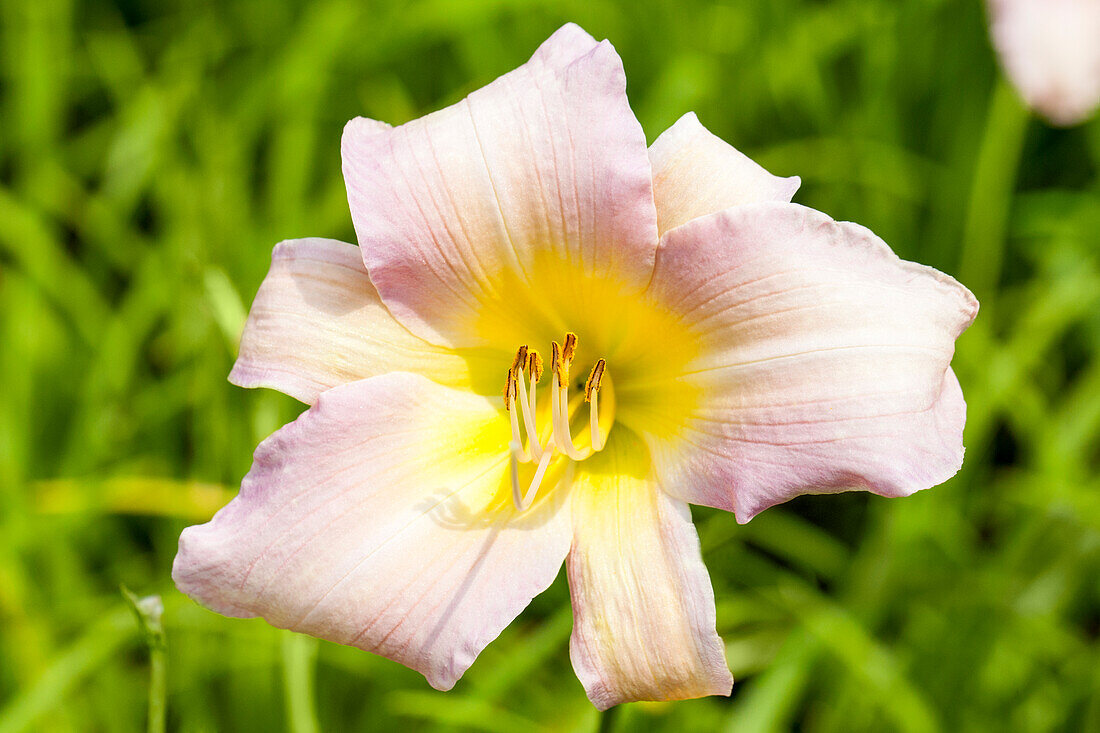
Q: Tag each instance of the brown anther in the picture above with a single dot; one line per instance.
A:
(569, 348)
(534, 365)
(519, 363)
(556, 363)
(593, 384)
(510, 390)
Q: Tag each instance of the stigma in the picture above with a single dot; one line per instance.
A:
(555, 439)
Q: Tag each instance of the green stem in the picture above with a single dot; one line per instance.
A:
(608, 719)
(148, 611)
(299, 663)
(158, 688)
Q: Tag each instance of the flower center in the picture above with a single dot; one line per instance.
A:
(556, 438)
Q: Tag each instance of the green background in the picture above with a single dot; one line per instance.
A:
(151, 154)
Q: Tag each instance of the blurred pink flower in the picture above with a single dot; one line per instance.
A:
(734, 350)
(1050, 50)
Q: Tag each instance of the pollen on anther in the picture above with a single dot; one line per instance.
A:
(534, 365)
(556, 363)
(569, 348)
(520, 361)
(510, 389)
(593, 384)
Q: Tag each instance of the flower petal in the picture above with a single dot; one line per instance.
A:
(823, 361)
(382, 519)
(696, 173)
(1050, 49)
(643, 607)
(317, 322)
(469, 217)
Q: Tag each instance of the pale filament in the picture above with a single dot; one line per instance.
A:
(558, 439)
(527, 407)
(560, 409)
(524, 502)
(594, 421)
(517, 442)
(591, 396)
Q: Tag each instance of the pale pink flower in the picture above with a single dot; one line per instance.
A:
(737, 349)
(1050, 50)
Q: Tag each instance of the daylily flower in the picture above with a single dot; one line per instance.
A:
(549, 341)
(1050, 50)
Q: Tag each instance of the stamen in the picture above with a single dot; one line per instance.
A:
(510, 404)
(534, 371)
(513, 465)
(569, 349)
(534, 365)
(592, 385)
(522, 503)
(594, 422)
(519, 363)
(592, 397)
(527, 404)
(557, 439)
(509, 387)
(560, 410)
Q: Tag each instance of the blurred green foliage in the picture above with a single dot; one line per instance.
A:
(152, 153)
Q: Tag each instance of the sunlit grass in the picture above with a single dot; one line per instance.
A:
(152, 154)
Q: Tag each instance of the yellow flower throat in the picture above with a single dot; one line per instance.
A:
(556, 438)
